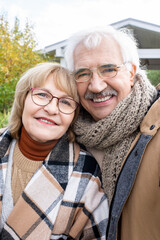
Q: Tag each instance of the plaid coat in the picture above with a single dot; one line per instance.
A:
(63, 200)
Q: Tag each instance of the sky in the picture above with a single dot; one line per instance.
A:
(56, 20)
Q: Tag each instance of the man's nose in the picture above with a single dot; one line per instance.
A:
(97, 84)
(52, 107)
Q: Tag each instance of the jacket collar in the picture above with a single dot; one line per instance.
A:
(151, 122)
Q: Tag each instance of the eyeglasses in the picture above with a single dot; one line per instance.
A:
(104, 71)
(42, 97)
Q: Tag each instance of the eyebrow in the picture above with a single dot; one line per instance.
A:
(109, 65)
(80, 70)
(46, 90)
(104, 64)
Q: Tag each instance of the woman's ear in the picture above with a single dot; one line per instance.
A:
(132, 74)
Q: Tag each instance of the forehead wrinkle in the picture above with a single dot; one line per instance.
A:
(108, 52)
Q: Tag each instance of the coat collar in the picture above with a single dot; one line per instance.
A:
(151, 121)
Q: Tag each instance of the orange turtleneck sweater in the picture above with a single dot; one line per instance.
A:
(27, 158)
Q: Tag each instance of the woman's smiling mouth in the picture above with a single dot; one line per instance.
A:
(47, 121)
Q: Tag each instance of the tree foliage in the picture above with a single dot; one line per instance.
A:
(154, 76)
(17, 54)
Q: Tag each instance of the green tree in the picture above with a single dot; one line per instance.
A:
(154, 76)
(17, 54)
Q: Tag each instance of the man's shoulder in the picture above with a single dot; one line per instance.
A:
(158, 87)
(158, 90)
(151, 121)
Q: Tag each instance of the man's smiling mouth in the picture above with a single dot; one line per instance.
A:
(103, 99)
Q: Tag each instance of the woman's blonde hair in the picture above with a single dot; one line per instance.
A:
(36, 77)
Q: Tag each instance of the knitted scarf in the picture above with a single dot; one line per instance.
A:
(115, 133)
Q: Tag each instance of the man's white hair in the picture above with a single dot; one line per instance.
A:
(92, 38)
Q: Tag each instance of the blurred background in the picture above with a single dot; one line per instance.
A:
(36, 31)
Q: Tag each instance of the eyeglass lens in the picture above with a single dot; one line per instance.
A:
(42, 98)
(104, 71)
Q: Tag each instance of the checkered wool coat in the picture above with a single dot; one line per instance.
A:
(63, 200)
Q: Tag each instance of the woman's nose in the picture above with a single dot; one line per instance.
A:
(52, 107)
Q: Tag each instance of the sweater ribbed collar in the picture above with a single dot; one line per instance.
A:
(32, 149)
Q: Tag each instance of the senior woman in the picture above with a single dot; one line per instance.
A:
(49, 187)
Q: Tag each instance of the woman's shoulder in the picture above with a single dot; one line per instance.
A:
(86, 161)
(5, 134)
(2, 130)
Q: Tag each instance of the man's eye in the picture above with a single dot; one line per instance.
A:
(84, 74)
(104, 70)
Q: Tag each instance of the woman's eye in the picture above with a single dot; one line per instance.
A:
(65, 102)
(42, 94)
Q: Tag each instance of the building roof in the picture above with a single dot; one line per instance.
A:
(147, 35)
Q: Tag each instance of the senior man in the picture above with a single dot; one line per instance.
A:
(119, 123)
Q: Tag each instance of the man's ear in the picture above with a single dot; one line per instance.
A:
(132, 73)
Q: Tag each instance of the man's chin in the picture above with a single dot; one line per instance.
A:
(98, 114)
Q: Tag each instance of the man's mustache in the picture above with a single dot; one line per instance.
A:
(90, 95)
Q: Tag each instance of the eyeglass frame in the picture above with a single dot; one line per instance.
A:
(32, 89)
(99, 74)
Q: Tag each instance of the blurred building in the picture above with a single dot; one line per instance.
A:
(147, 35)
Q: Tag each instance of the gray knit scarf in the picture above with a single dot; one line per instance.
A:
(115, 133)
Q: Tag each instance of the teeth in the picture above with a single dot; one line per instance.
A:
(46, 121)
(101, 99)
